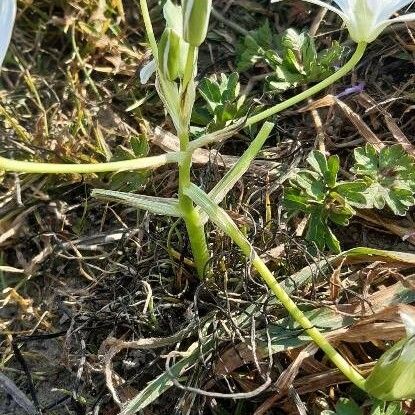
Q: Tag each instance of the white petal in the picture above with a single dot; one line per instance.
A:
(173, 16)
(325, 5)
(7, 16)
(405, 18)
(147, 71)
(346, 5)
(409, 322)
(383, 25)
(388, 9)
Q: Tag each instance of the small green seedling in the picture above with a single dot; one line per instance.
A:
(223, 101)
(318, 193)
(292, 57)
(384, 178)
(391, 173)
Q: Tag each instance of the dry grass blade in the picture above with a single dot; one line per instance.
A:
(10, 388)
(355, 119)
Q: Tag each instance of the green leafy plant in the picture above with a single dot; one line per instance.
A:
(292, 56)
(223, 103)
(175, 62)
(301, 63)
(318, 193)
(391, 173)
(384, 178)
(258, 45)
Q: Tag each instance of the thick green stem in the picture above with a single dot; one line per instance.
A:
(60, 168)
(194, 224)
(225, 223)
(192, 218)
(344, 70)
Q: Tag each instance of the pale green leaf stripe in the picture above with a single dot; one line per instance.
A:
(217, 136)
(156, 205)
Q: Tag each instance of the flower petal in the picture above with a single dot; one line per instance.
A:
(147, 71)
(388, 9)
(383, 25)
(405, 18)
(409, 322)
(346, 5)
(325, 5)
(7, 16)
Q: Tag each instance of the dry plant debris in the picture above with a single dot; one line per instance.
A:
(98, 312)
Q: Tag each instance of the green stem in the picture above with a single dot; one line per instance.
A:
(348, 370)
(225, 223)
(344, 70)
(190, 66)
(59, 168)
(194, 224)
(149, 28)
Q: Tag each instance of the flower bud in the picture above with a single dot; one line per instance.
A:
(393, 377)
(169, 59)
(196, 14)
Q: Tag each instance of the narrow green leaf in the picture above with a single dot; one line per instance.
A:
(222, 188)
(156, 205)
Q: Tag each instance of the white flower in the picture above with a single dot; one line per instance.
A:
(7, 16)
(366, 19)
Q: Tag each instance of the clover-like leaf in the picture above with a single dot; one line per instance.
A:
(311, 183)
(223, 101)
(354, 192)
(391, 173)
(317, 193)
(328, 167)
(295, 199)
